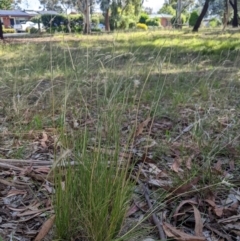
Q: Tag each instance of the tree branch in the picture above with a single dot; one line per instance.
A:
(231, 3)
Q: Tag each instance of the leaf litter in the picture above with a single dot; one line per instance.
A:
(171, 180)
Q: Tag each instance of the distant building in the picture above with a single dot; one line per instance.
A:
(11, 17)
(165, 19)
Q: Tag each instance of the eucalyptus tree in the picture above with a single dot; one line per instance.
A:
(84, 6)
(108, 5)
(234, 4)
(201, 16)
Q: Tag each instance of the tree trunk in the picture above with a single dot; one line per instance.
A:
(86, 13)
(178, 15)
(235, 13)
(69, 24)
(1, 30)
(201, 16)
(88, 18)
(107, 24)
(226, 14)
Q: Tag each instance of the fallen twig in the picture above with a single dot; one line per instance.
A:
(187, 129)
(156, 221)
(20, 162)
(220, 234)
(11, 184)
(8, 166)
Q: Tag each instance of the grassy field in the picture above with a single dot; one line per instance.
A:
(110, 110)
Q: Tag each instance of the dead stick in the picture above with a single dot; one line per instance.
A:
(218, 232)
(25, 162)
(8, 166)
(156, 221)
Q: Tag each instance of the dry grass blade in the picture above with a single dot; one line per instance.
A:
(45, 228)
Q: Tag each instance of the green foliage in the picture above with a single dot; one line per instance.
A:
(142, 26)
(6, 4)
(75, 18)
(36, 19)
(33, 30)
(95, 20)
(214, 22)
(101, 19)
(58, 23)
(132, 24)
(62, 29)
(53, 20)
(124, 22)
(153, 22)
(167, 9)
(184, 18)
(77, 29)
(76, 22)
(96, 30)
(143, 18)
(8, 30)
(193, 18)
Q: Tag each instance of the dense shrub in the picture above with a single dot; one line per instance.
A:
(76, 22)
(142, 26)
(184, 18)
(53, 20)
(96, 30)
(59, 23)
(123, 23)
(143, 18)
(113, 23)
(193, 18)
(36, 19)
(95, 20)
(33, 30)
(61, 29)
(8, 30)
(52, 30)
(77, 29)
(101, 19)
(153, 22)
(132, 24)
(214, 22)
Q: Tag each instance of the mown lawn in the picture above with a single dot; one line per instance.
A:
(122, 118)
